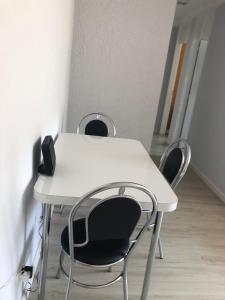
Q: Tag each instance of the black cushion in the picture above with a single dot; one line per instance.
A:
(173, 164)
(97, 128)
(113, 219)
(96, 252)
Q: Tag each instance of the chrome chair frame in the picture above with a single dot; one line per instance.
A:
(186, 151)
(150, 222)
(97, 116)
(186, 157)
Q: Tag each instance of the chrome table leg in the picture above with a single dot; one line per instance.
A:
(44, 251)
(125, 285)
(160, 248)
(151, 255)
(160, 245)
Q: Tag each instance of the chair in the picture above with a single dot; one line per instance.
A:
(173, 165)
(97, 124)
(103, 237)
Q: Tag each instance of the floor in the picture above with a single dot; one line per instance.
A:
(194, 247)
(159, 144)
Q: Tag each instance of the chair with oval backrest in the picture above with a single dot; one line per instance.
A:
(173, 165)
(97, 124)
(103, 237)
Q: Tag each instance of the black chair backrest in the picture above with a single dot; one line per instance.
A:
(97, 128)
(114, 218)
(172, 164)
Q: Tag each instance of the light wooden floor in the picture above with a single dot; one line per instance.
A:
(194, 246)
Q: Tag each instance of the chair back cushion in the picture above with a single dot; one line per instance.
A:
(97, 128)
(172, 164)
(114, 218)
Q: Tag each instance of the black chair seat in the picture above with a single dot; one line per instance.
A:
(97, 252)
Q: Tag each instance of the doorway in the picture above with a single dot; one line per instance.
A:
(165, 111)
(177, 115)
(172, 89)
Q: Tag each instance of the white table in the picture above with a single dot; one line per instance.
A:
(86, 162)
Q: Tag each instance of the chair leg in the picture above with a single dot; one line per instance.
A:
(147, 216)
(69, 287)
(160, 245)
(61, 209)
(61, 257)
(125, 285)
(160, 248)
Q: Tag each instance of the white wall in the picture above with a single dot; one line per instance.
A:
(35, 38)
(207, 131)
(119, 55)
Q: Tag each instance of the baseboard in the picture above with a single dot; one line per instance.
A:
(209, 183)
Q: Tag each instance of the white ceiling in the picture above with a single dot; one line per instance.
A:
(190, 8)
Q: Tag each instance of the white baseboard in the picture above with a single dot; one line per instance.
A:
(209, 183)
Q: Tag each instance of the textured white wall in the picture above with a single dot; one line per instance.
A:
(35, 53)
(119, 55)
(207, 131)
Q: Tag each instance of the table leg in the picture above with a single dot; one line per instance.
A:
(44, 251)
(151, 255)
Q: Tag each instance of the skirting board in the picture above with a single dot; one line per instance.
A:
(209, 183)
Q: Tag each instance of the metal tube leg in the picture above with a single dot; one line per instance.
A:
(125, 285)
(61, 209)
(160, 245)
(160, 248)
(44, 251)
(69, 286)
(151, 256)
(147, 216)
(61, 257)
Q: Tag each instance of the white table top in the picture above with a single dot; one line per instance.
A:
(85, 162)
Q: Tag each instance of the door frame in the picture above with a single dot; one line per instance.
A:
(171, 86)
(194, 88)
(183, 92)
